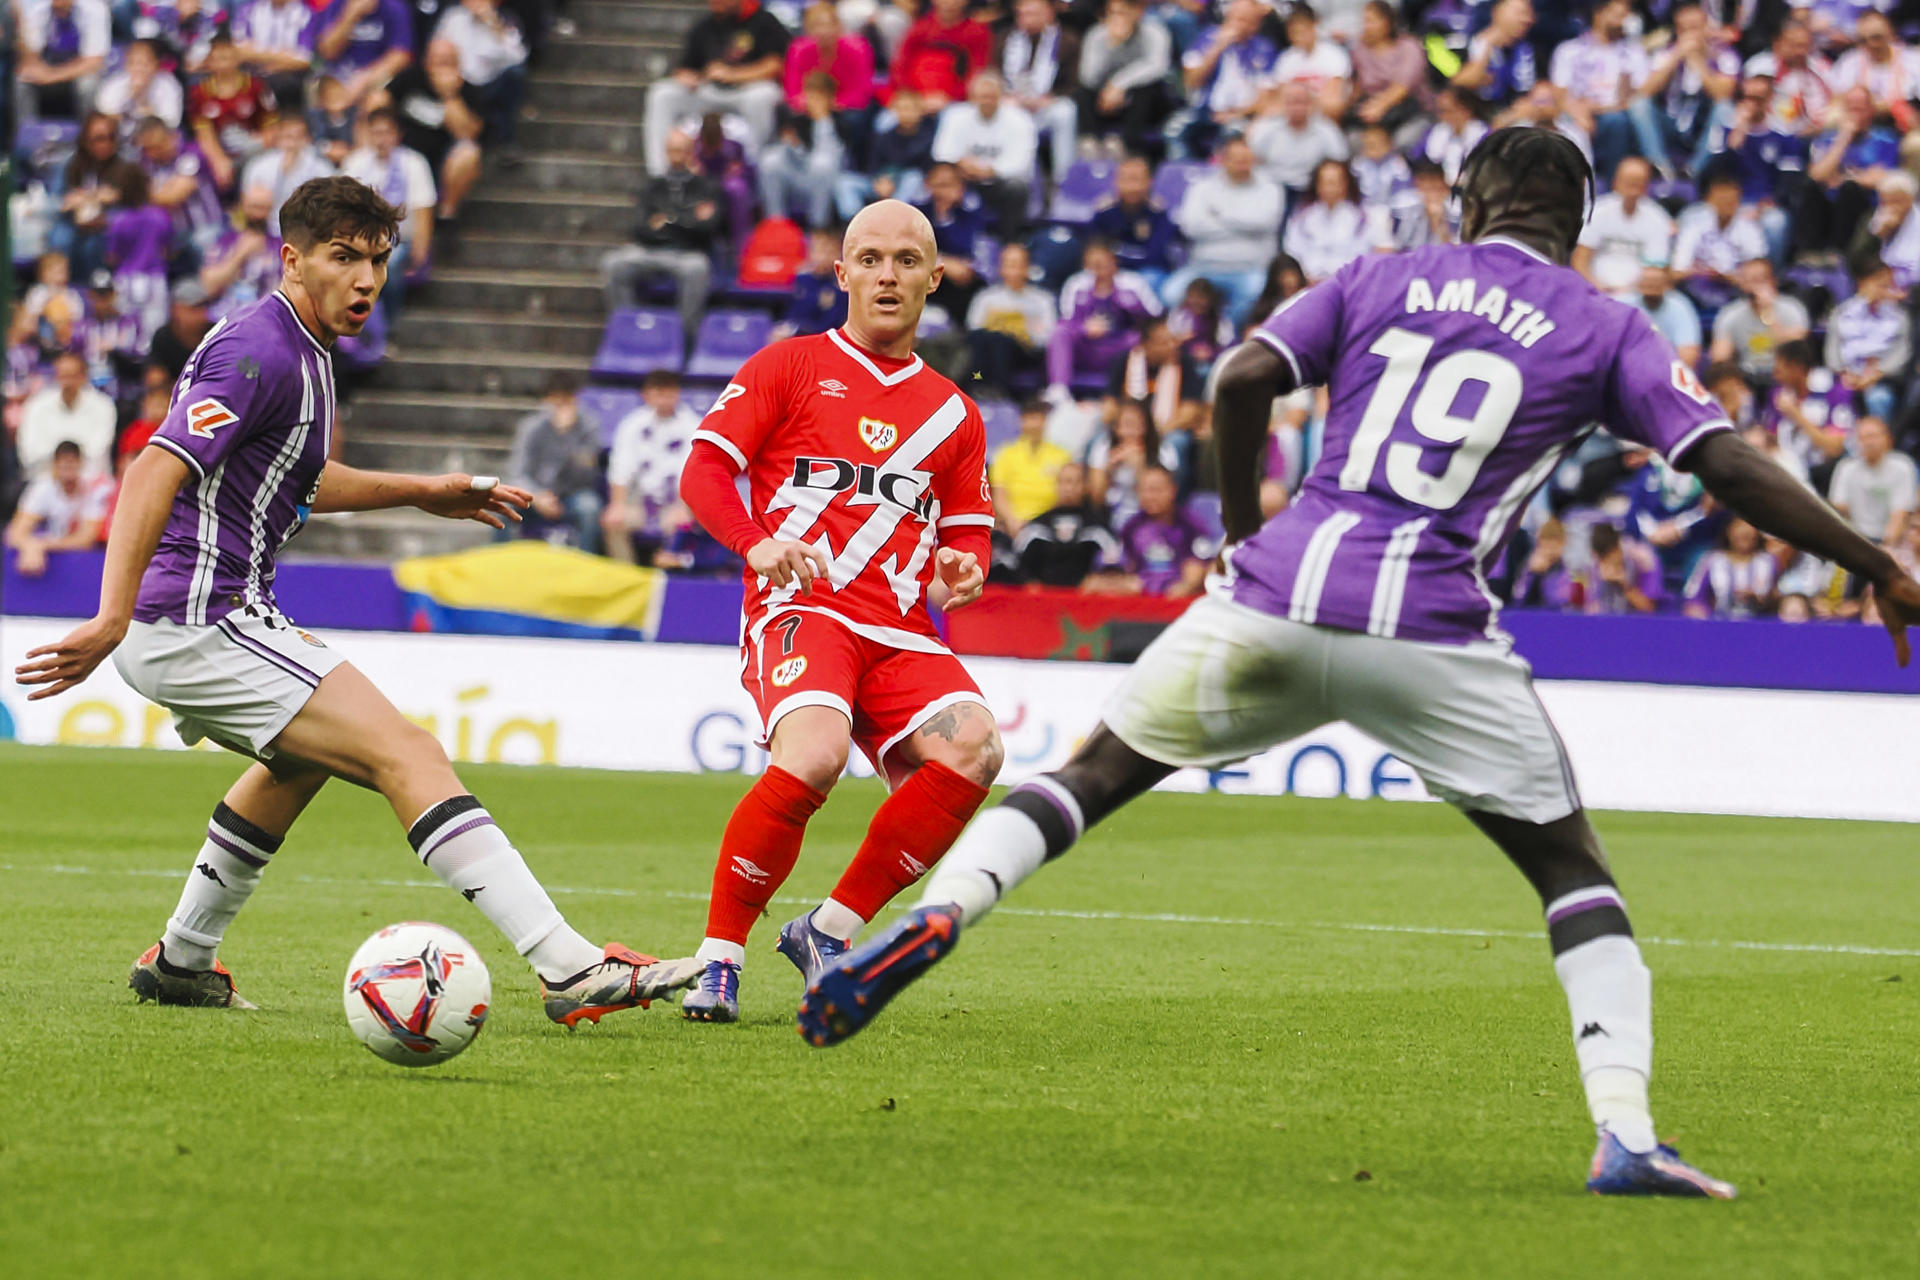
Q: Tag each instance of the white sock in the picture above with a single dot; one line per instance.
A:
(1610, 995)
(224, 876)
(459, 842)
(837, 920)
(999, 849)
(712, 949)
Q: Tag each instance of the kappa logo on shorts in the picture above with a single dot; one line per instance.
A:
(789, 671)
(880, 436)
(833, 387)
(204, 417)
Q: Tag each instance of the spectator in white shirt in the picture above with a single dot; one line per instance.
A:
(1291, 145)
(70, 409)
(275, 40)
(1598, 79)
(1884, 66)
(1875, 490)
(1455, 132)
(403, 177)
(1714, 238)
(643, 471)
(992, 142)
(1232, 219)
(291, 162)
(1009, 323)
(493, 59)
(1041, 63)
(1802, 91)
(1870, 338)
(1895, 225)
(61, 511)
(1333, 230)
(63, 47)
(1318, 63)
(1625, 231)
(140, 89)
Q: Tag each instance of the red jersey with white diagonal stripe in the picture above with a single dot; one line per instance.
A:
(874, 461)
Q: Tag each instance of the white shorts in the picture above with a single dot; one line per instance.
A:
(1225, 682)
(239, 681)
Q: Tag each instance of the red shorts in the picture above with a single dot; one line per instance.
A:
(812, 660)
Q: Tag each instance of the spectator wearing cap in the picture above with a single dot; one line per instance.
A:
(676, 226)
(556, 457)
(731, 61)
(940, 53)
(1290, 146)
(493, 62)
(993, 143)
(69, 410)
(364, 43)
(1625, 231)
(1101, 309)
(112, 339)
(1870, 338)
(1670, 312)
(291, 162)
(1231, 217)
(60, 511)
(63, 47)
(1753, 326)
(140, 89)
(1124, 61)
(230, 111)
(1226, 72)
(1136, 225)
(1009, 325)
(643, 471)
(1040, 61)
(275, 41)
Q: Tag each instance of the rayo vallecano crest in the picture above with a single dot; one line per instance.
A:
(880, 436)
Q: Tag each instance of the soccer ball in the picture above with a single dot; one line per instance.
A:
(417, 994)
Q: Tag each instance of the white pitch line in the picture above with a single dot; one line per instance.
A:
(1132, 917)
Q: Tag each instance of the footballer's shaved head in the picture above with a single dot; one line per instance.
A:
(888, 220)
(889, 263)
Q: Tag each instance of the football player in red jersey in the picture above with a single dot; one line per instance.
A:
(867, 497)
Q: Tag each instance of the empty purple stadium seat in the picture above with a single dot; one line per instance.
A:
(726, 339)
(1085, 185)
(699, 399)
(639, 340)
(608, 405)
(1002, 421)
(1171, 180)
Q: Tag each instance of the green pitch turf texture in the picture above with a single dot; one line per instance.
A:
(1280, 1092)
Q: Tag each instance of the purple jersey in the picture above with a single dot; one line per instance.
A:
(1158, 550)
(199, 214)
(252, 417)
(1458, 376)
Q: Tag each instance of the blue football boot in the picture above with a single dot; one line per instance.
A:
(1660, 1172)
(810, 949)
(716, 997)
(845, 997)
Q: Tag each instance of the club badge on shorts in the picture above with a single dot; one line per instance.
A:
(789, 671)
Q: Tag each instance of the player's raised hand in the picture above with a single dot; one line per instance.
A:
(961, 576)
(459, 496)
(1898, 600)
(785, 563)
(59, 666)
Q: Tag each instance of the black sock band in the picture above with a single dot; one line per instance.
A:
(232, 824)
(1055, 821)
(438, 816)
(1581, 915)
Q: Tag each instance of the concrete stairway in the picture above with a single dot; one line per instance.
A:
(521, 297)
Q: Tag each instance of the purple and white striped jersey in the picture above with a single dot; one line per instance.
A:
(1458, 376)
(252, 417)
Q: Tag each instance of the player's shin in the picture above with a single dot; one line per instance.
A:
(1610, 997)
(910, 832)
(1039, 820)
(757, 853)
(459, 841)
(224, 876)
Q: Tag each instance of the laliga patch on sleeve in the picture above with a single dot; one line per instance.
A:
(204, 417)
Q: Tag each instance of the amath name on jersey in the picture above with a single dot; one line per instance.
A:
(1522, 321)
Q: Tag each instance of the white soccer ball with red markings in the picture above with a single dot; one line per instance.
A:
(417, 994)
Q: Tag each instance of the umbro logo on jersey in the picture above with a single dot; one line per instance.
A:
(789, 671)
(833, 387)
(204, 417)
(754, 873)
(880, 436)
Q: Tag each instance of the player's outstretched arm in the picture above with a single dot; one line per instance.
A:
(1761, 492)
(146, 497)
(457, 496)
(1251, 377)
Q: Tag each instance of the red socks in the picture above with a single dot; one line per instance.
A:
(759, 848)
(913, 828)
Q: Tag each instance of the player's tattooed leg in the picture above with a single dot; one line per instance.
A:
(964, 738)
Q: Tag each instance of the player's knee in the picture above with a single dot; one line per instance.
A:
(404, 753)
(968, 742)
(819, 764)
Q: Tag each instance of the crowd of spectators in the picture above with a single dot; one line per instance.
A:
(1756, 186)
(154, 142)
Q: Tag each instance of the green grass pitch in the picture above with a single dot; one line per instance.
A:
(1179, 1054)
